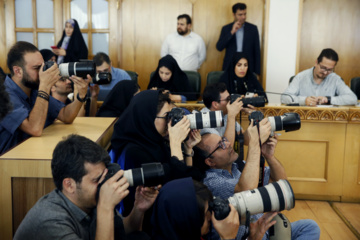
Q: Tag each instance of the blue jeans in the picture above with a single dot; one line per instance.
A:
(306, 229)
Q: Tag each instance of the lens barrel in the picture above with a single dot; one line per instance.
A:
(200, 120)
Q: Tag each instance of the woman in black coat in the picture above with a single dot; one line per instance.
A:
(71, 47)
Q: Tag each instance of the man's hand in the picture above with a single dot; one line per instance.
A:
(258, 228)
(268, 148)
(322, 100)
(194, 139)
(49, 77)
(179, 132)
(113, 190)
(228, 227)
(94, 90)
(311, 101)
(81, 85)
(234, 108)
(265, 130)
(252, 132)
(235, 27)
(145, 197)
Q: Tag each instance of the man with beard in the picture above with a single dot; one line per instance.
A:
(319, 84)
(29, 88)
(187, 47)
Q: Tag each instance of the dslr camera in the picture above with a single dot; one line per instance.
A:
(288, 122)
(255, 101)
(276, 196)
(197, 120)
(81, 69)
(149, 174)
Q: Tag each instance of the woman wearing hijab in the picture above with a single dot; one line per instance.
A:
(48, 55)
(118, 99)
(71, 47)
(239, 77)
(140, 137)
(169, 76)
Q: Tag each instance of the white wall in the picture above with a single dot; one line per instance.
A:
(282, 42)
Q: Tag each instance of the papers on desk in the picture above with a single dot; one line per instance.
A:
(325, 106)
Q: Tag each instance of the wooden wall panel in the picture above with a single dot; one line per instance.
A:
(331, 24)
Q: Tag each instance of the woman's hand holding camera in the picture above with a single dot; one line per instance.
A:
(177, 135)
(228, 227)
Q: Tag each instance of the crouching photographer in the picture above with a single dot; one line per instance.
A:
(225, 178)
(71, 210)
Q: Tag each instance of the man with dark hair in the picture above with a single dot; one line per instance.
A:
(216, 97)
(319, 84)
(240, 36)
(103, 64)
(29, 88)
(78, 166)
(187, 47)
(224, 177)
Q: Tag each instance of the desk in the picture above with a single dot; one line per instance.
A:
(25, 171)
(322, 159)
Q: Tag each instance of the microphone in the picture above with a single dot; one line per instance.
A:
(292, 99)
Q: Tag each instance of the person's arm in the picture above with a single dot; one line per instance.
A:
(34, 123)
(202, 52)
(144, 199)
(277, 171)
(344, 95)
(94, 90)
(293, 90)
(165, 47)
(233, 110)
(224, 39)
(194, 139)
(250, 175)
(257, 51)
(68, 113)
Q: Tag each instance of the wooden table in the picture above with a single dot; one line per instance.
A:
(25, 171)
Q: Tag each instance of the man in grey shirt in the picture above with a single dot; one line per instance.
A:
(68, 212)
(319, 84)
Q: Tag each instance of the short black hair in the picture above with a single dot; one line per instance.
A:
(70, 156)
(238, 6)
(203, 195)
(163, 98)
(186, 16)
(100, 58)
(329, 54)
(199, 159)
(212, 93)
(16, 54)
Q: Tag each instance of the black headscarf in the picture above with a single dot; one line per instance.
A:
(175, 212)
(118, 99)
(177, 84)
(136, 125)
(235, 84)
(76, 48)
(47, 54)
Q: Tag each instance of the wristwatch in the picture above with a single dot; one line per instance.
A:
(81, 99)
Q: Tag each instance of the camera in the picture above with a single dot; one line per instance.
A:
(255, 101)
(197, 120)
(149, 174)
(81, 69)
(288, 121)
(276, 196)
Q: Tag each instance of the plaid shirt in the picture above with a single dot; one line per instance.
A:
(222, 184)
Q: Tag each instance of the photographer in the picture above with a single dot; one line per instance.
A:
(29, 89)
(216, 97)
(78, 166)
(224, 178)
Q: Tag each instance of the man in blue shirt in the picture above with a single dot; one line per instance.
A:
(103, 64)
(32, 106)
(224, 177)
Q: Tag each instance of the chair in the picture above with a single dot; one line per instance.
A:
(133, 75)
(213, 77)
(355, 86)
(291, 78)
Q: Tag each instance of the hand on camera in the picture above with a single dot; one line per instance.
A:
(265, 129)
(179, 131)
(268, 148)
(258, 228)
(194, 139)
(145, 197)
(234, 108)
(228, 227)
(113, 190)
(49, 77)
(253, 133)
(81, 85)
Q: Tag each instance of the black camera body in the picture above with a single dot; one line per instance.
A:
(175, 115)
(254, 101)
(81, 69)
(220, 207)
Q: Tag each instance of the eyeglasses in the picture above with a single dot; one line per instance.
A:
(165, 117)
(226, 99)
(222, 144)
(324, 69)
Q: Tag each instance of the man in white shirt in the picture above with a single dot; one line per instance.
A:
(187, 47)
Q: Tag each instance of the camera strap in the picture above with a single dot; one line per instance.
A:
(247, 226)
(262, 163)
